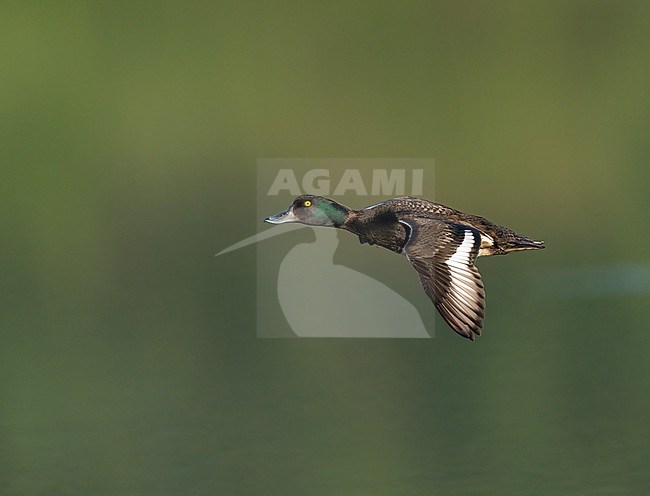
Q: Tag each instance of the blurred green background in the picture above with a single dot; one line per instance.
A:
(129, 363)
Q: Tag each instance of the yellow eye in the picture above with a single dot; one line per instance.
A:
(307, 203)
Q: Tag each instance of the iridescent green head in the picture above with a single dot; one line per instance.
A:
(312, 210)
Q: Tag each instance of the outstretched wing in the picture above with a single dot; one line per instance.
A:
(443, 254)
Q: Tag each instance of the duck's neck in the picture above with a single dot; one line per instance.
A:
(337, 213)
(352, 222)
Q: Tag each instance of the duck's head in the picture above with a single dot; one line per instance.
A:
(312, 210)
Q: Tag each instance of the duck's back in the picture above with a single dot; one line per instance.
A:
(410, 206)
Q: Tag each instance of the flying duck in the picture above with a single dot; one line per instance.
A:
(441, 243)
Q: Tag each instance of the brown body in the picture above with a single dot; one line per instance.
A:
(379, 225)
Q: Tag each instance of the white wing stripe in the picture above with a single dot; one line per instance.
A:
(461, 256)
(463, 274)
(463, 282)
(456, 265)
